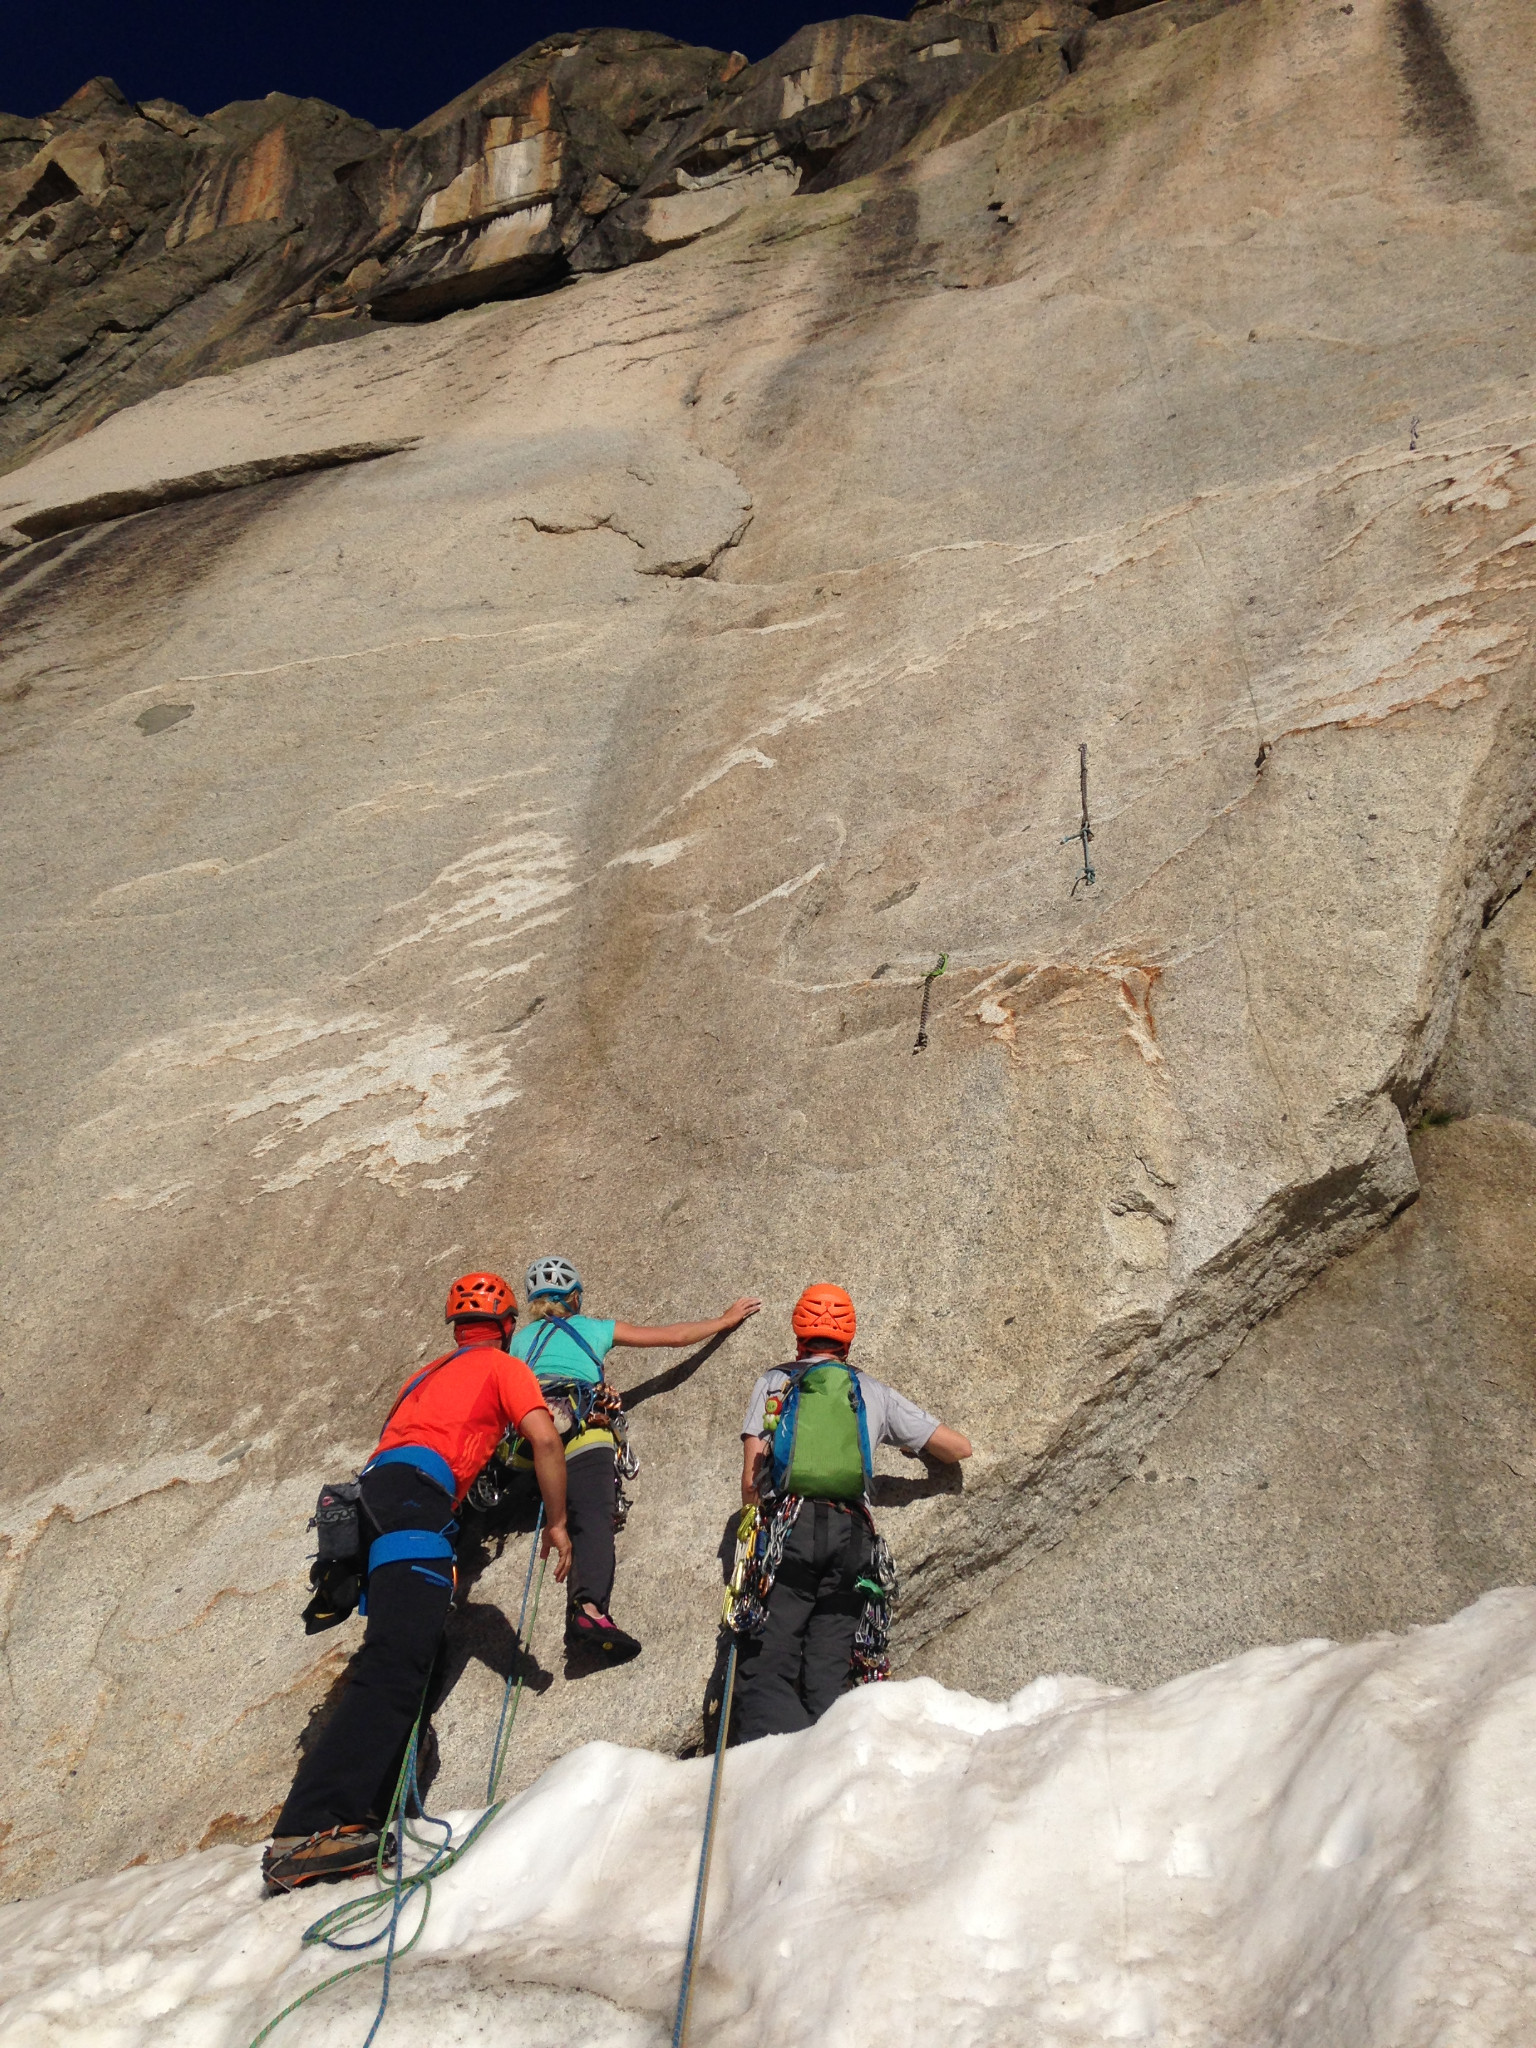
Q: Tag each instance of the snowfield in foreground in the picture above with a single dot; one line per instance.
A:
(1312, 1846)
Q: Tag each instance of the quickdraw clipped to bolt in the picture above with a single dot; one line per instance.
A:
(928, 980)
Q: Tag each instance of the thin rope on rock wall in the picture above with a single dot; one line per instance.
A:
(706, 1856)
(1084, 833)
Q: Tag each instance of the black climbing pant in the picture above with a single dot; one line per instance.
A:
(802, 1662)
(591, 1489)
(350, 1774)
(591, 1495)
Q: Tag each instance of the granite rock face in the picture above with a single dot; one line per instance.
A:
(139, 245)
(1366, 1460)
(497, 785)
(515, 173)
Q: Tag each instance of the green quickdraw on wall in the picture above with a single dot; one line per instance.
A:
(928, 980)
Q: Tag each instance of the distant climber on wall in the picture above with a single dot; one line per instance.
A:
(813, 1621)
(448, 1419)
(568, 1351)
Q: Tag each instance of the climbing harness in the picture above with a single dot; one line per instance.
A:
(339, 1573)
(922, 1020)
(746, 1537)
(1084, 833)
(576, 1407)
(757, 1566)
(397, 1890)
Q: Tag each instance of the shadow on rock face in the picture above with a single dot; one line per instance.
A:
(893, 1492)
(482, 1634)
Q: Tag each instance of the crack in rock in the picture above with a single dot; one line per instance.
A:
(49, 520)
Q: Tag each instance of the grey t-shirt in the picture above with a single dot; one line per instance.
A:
(892, 1418)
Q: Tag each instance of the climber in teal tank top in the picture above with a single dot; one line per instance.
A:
(567, 1353)
(570, 1347)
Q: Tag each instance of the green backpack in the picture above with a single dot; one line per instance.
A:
(821, 1435)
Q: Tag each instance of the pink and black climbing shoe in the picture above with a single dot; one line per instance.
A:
(600, 1636)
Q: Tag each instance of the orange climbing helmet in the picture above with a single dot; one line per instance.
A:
(480, 1294)
(825, 1311)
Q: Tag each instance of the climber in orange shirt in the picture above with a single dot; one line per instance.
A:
(446, 1422)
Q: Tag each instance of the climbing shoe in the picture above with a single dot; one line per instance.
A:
(290, 1861)
(600, 1635)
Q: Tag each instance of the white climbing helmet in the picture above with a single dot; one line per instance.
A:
(552, 1276)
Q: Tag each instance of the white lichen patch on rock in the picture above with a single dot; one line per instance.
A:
(453, 1084)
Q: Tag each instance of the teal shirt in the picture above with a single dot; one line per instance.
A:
(559, 1356)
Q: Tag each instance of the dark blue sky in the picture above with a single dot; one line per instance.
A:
(387, 61)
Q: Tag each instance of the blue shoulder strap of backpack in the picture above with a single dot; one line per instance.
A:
(860, 1411)
(781, 1451)
(406, 1392)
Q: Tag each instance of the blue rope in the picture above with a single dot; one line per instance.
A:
(701, 1886)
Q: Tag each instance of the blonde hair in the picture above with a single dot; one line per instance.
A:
(554, 1307)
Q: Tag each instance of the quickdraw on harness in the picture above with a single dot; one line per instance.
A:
(872, 1632)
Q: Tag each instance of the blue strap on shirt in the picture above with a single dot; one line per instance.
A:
(540, 1343)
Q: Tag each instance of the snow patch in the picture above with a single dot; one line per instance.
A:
(1311, 1845)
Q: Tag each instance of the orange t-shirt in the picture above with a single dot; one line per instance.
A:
(463, 1409)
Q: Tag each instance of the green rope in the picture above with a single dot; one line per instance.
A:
(394, 1893)
(508, 1722)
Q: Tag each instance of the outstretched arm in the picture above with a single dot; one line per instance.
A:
(947, 1445)
(679, 1334)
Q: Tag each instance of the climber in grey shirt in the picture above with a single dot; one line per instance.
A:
(893, 1419)
(799, 1656)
